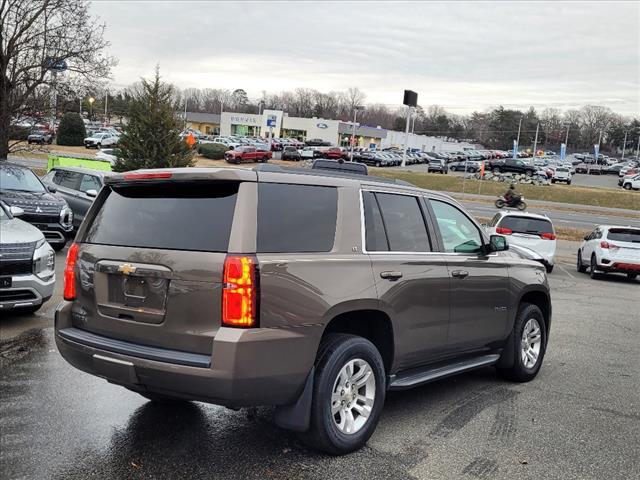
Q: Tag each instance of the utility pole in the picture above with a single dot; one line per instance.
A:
(624, 144)
(106, 107)
(413, 123)
(353, 131)
(406, 138)
(535, 142)
(519, 128)
(638, 149)
(185, 113)
(566, 137)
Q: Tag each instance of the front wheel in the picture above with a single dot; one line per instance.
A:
(522, 206)
(627, 186)
(549, 268)
(499, 203)
(348, 394)
(528, 340)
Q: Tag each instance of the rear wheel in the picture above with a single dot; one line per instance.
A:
(549, 268)
(632, 276)
(593, 268)
(348, 394)
(528, 340)
(499, 203)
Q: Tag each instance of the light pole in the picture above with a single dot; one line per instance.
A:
(91, 100)
(353, 130)
(638, 149)
(515, 150)
(624, 144)
(535, 142)
(106, 107)
(185, 113)
(406, 137)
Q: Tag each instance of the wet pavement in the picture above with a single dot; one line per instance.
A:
(578, 419)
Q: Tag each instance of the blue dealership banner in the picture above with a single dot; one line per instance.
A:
(515, 149)
(563, 151)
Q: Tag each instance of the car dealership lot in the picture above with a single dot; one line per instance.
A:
(578, 419)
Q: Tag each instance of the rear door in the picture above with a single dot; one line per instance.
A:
(480, 294)
(151, 260)
(411, 277)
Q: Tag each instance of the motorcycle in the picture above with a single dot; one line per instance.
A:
(513, 203)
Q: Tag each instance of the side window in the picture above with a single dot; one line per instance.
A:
(459, 233)
(307, 224)
(404, 223)
(90, 182)
(67, 179)
(376, 239)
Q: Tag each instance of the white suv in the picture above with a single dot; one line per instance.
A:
(629, 183)
(527, 230)
(562, 174)
(610, 249)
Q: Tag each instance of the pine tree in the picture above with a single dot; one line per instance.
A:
(152, 136)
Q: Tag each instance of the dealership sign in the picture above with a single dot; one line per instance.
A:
(244, 120)
(322, 125)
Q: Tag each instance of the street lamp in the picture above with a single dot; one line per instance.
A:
(91, 100)
(353, 130)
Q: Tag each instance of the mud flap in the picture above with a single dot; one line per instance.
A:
(296, 416)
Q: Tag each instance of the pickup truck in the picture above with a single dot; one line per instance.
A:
(246, 154)
(513, 166)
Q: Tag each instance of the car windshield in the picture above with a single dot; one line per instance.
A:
(19, 179)
(630, 235)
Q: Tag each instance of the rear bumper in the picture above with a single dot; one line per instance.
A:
(630, 267)
(247, 367)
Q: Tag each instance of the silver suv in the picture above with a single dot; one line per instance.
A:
(306, 290)
(27, 263)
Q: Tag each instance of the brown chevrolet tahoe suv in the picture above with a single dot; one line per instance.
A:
(304, 290)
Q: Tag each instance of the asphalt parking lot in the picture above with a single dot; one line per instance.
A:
(578, 419)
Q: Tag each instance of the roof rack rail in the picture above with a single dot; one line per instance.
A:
(265, 167)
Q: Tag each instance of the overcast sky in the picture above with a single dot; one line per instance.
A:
(464, 56)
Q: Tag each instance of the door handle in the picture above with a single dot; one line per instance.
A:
(460, 274)
(391, 275)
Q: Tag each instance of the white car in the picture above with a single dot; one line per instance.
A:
(99, 140)
(561, 174)
(528, 230)
(610, 249)
(631, 183)
(106, 154)
(307, 152)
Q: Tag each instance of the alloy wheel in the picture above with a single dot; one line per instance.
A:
(353, 396)
(531, 343)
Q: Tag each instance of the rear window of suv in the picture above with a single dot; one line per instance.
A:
(296, 218)
(534, 226)
(624, 235)
(171, 216)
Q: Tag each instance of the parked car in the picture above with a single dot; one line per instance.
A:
(107, 154)
(78, 186)
(27, 263)
(437, 166)
(466, 165)
(513, 166)
(246, 154)
(291, 153)
(631, 182)
(354, 168)
(610, 249)
(308, 153)
(99, 140)
(595, 169)
(333, 152)
(310, 282)
(527, 230)
(41, 137)
(317, 142)
(42, 207)
(561, 174)
(582, 168)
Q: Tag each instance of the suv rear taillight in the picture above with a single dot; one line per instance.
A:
(504, 231)
(607, 245)
(239, 292)
(70, 273)
(548, 236)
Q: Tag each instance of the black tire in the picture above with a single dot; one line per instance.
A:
(627, 186)
(632, 276)
(579, 263)
(553, 181)
(496, 171)
(334, 352)
(58, 246)
(522, 206)
(378, 164)
(549, 268)
(499, 203)
(518, 372)
(453, 169)
(568, 183)
(593, 271)
(528, 173)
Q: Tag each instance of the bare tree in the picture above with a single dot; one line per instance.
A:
(354, 98)
(594, 119)
(34, 35)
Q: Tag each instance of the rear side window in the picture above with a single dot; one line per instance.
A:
(404, 223)
(171, 216)
(296, 218)
(534, 226)
(624, 235)
(376, 239)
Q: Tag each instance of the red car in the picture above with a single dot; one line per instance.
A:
(333, 152)
(246, 154)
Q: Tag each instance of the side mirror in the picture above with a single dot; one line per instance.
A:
(498, 243)
(16, 211)
(52, 189)
(91, 193)
(586, 237)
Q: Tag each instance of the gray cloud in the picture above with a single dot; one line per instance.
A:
(462, 55)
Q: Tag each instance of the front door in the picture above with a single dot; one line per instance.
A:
(480, 295)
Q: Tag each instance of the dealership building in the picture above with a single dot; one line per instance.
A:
(279, 124)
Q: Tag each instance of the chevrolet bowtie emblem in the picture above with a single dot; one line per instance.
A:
(127, 269)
